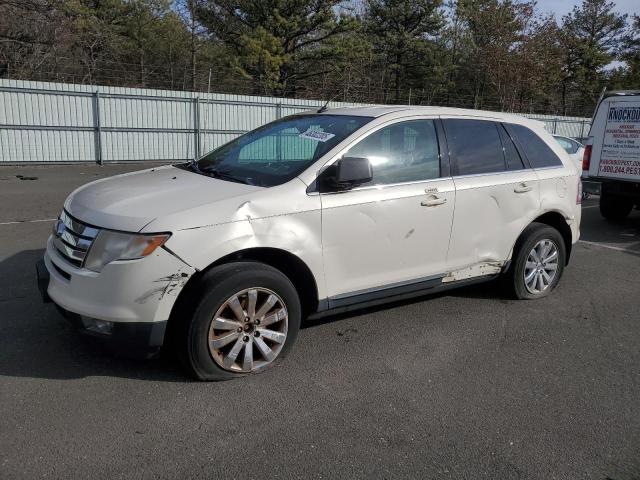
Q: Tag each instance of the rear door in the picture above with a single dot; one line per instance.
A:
(496, 193)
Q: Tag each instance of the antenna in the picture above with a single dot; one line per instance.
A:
(324, 107)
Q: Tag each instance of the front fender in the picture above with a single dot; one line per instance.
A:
(298, 233)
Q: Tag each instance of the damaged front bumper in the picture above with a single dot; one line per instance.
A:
(127, 304)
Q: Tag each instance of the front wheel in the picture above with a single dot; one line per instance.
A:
(245, 321)
(538, 262)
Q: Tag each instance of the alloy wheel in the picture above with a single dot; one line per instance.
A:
(248, 331)
(541, 267)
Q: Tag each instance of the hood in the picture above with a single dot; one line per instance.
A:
(129, 202)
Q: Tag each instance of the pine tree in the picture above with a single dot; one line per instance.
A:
(591, 35)
(401, 32)
(275, 42)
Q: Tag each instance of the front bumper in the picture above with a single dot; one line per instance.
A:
(127, 305)
(131, 339)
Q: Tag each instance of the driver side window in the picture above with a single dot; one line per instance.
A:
(402, 152)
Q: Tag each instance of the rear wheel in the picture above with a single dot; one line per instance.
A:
(613, 207)
(245, 321)
(538, 262)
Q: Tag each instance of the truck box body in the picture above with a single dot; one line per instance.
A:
(615, 131)
(612, 156)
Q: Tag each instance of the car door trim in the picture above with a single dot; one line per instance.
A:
(351, 301)
(381, 187)
(392, 289)
(523, 156)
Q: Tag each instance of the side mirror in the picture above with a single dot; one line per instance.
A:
(353, 171)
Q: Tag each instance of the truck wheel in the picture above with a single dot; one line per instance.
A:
(538, 262)
(245, 320)
(613, 207)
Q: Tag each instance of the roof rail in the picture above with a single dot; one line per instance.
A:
(620, 93)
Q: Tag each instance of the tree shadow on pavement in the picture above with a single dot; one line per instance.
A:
(37, 342)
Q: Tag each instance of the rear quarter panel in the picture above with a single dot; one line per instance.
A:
(559, 186)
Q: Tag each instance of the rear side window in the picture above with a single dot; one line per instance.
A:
(537, 151)
(568, 145)
(511, 155)
(475, 146)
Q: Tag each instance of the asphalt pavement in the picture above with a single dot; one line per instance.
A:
(462, 385)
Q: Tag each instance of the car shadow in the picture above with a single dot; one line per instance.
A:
(37, 342)
(490, 290)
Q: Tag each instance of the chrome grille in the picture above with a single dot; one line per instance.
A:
(73, 238)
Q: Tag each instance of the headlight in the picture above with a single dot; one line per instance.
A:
(109, 246)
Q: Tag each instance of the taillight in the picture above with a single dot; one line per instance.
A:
(579, 190)
(586, 158)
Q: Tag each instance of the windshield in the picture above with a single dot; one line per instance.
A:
(279, 151)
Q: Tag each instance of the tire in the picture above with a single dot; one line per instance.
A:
(614, 208)
(524, 264)
(207, 360)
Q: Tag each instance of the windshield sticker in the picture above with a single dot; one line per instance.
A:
(316, 135)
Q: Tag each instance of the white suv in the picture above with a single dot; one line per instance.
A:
(311, 214)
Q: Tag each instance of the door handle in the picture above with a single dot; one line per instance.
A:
(433, 201)
(523, 188)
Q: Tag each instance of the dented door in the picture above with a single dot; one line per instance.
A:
(497, 195)
(491, 212)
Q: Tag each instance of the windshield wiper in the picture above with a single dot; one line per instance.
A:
(193, 166)
(214, 173)
(221, 174)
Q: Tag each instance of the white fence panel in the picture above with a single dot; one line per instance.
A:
(141, 146)
(65, 123)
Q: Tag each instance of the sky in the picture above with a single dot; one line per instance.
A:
(562, 7)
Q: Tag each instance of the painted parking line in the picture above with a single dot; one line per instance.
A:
(611, 247)
(29, 221)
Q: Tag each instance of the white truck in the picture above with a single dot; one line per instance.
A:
(611, 161)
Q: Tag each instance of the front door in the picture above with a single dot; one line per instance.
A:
(394, 230)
